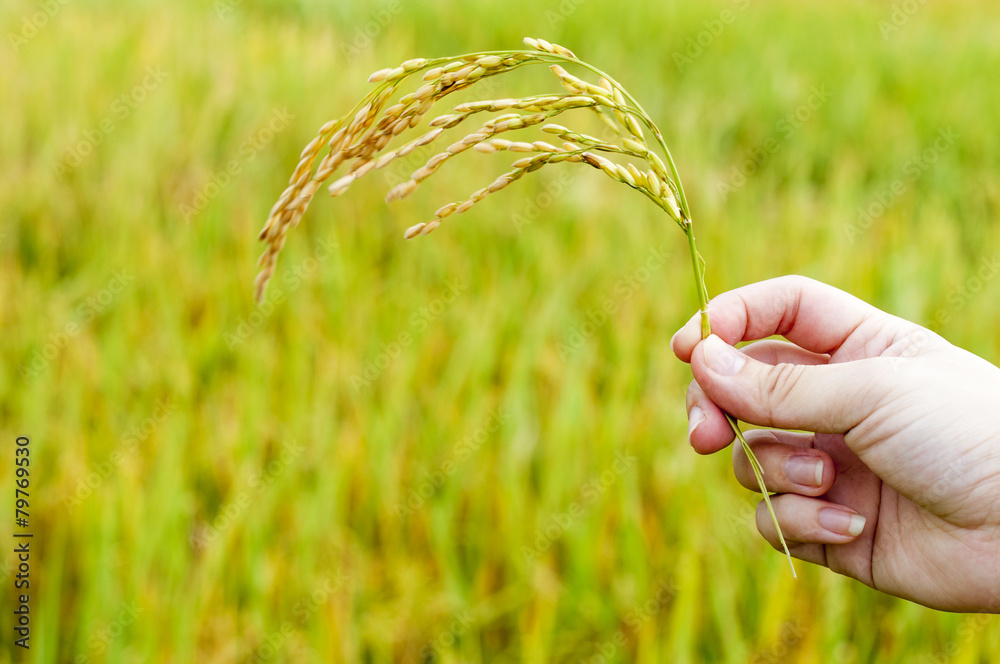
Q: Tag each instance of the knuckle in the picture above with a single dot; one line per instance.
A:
(778, 385)
(763, 519)
(741, 465)
(766, 528)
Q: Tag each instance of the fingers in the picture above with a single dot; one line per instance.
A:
(809, 521)
(708, 430)
(830, 398)
(789, 462)
(810, 314)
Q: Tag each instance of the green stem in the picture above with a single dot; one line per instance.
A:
(698, 264)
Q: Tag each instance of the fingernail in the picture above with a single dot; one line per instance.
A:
(805, 470)
(841, 521)
(695, 417)
(722, 358)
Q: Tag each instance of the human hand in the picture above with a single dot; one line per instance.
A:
(898, 485)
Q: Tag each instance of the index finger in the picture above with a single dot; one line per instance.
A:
(809, 313)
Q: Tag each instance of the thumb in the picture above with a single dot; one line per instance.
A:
(827, 398)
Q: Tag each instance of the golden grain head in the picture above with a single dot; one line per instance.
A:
(368, 132)
(446, 210)
(341, 185)
(654, 183)
(489, 61)
(414, 64)
(401, 191)
(523, 162)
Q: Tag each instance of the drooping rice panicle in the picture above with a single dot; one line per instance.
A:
(360, 140)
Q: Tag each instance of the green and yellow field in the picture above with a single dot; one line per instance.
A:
(448, 450)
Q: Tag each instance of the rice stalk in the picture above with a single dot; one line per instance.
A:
(363, 135)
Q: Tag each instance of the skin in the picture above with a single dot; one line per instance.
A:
(903, 423)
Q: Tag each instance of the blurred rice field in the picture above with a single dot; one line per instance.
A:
(448, 450)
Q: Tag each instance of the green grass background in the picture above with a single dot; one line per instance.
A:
(309, 559)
